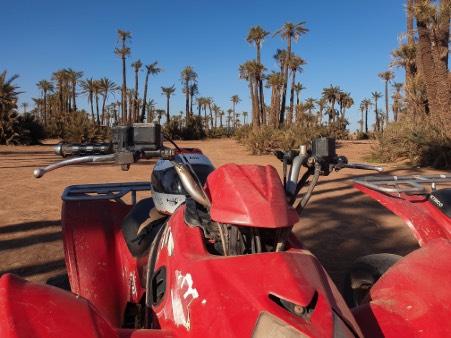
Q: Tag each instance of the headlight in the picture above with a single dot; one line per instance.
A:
(269, 326)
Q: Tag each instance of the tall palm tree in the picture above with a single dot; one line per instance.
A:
(295, 65)
(289, 32)
(136, 67)
(193, 91)
(376, 96)
(123, 52)
(256, 36)
(87, 87)
(74, 76)
(188, 75)
(168, 91)
(321, 103)
(60, 77)
(366, 104)
(235, 100)
(151, 69)
(387, 76)
(298, 88)
(330, 94)
(106, 87)
(221, 114)
(46, 87)
(217, 111)
(275, 82)
(251, 71)
(97, 92)
(397, 100)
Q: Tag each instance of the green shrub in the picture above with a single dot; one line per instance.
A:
(267, 139)
(30, 130)
(191, 129)
(423, 143)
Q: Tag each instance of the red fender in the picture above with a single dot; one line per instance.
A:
(99, 264)
(412, 299)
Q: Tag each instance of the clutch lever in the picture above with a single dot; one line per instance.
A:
(39, 172)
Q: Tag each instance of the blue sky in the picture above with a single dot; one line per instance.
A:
(349, 42)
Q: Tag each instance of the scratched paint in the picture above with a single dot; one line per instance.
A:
(182, 295)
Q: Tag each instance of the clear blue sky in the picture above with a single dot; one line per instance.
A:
(348, 44)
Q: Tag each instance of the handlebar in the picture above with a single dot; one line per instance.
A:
(362, 166)
(74, 149)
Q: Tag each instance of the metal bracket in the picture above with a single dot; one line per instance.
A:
(108, 191)
(414, 184)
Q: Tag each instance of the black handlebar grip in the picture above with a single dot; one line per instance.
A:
(74, 149)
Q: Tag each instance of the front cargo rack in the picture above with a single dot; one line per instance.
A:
(108, 191)
(415, 184)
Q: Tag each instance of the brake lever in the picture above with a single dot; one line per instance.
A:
(359, 166)
(39, 172)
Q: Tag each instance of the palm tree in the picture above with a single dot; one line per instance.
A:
(88, 87)
(256, 36)
(235, 100)
(60, 76)
(321, 103)
(289, 32)
(221, 114)
(397, 100)
(295, 65)
(46, 87)
(151, 69)
(331, 94)
(244, 117)
(217, 111)
(275, 82)
(106, 86)
(251, 71)
(366, 104)
(298, 88)
(8, 106)
(123, 52)
(188, 76)
(97, 92)
(387, 76)
(136, 67)
(168, 91)
(376, 96)
(193, 91)
(345, 101)
(74, 76)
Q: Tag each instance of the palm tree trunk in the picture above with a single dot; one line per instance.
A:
(386, 104)
(74, 94)
(426, 65)
(97, 109)
(366, 120)
(285, 84)
(45, 108)
(290, 117)
(135, 100)
(187, 93)
(103, 109)
(167, 109)
(124, 93)
(143, 111)
(91, 99)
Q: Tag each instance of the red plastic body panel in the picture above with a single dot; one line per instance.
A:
(41, 311)
(425, 220)
(249, 195)
(216, 296)
(99, 264)
(34, 310)
(412, 299)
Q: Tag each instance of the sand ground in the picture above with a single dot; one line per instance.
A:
(339, 224)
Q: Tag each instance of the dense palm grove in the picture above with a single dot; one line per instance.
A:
(417, 114)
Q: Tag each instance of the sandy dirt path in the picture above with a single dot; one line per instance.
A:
(339, 225)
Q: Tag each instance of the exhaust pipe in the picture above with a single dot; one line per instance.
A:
(191, 185)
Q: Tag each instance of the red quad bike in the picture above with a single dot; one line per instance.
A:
(224, 264)
(412, 291)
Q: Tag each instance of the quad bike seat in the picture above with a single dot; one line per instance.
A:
(442, 200)
(141, 225)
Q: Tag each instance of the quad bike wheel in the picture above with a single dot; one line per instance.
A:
(363, 274)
